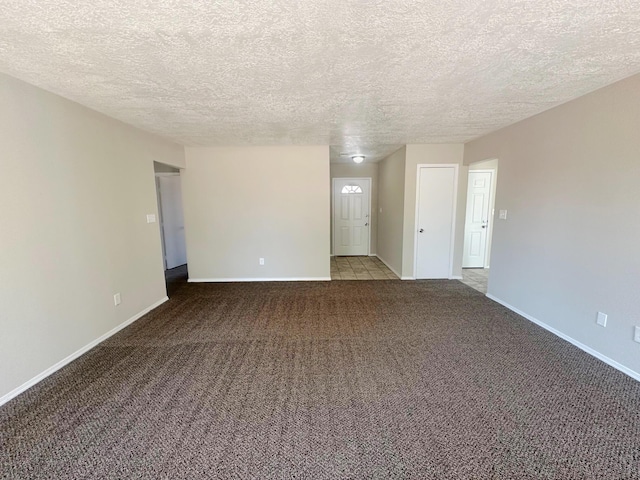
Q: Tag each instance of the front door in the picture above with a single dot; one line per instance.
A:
(351, 221)
(436, 219)
(477, 220)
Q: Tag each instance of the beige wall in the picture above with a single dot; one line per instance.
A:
(391, 179)
(243, 203)
(75, 190)
(436, 153)
(484, 165)
(569, 179)
(364, 170)
(493, 166)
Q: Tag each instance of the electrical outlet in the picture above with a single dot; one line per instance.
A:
(116, 299)
(261, 261)
(601, 319)
(636, 334)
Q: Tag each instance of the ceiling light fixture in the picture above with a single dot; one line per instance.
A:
(358, 158)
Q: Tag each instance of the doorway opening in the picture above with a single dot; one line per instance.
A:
(171, 217)
(479, 220)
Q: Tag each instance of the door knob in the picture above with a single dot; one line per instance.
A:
(484, 226)
(421, 230)
(366, 224)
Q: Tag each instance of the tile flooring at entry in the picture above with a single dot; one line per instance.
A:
(476, 278)
(360, 268)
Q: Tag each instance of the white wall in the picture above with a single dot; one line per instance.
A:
(570, 180)
(363, 170)
(435, 153)
(391, 178)
(242, 203)
(75, 190)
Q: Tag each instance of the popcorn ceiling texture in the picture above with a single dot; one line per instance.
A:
(360, 76)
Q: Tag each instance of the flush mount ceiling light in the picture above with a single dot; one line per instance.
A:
(358, 158)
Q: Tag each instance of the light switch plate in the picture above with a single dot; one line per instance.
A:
(503, 215)
(151, 218)
(601, 319)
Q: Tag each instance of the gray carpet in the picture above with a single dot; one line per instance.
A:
(378, 379)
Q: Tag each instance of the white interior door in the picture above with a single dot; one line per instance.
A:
(477, 219)
(351, 221)
(436, 204)
(172, 220)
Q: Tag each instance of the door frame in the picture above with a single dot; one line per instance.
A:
(490, 216)
(333, 210)
(454, 214)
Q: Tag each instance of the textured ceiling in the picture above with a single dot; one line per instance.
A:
(362, 76)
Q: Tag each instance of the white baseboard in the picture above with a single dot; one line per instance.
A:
(407, 278)
(279, 279)
(389, 266)
(25, 386)
(594, 353)
(456, 277)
